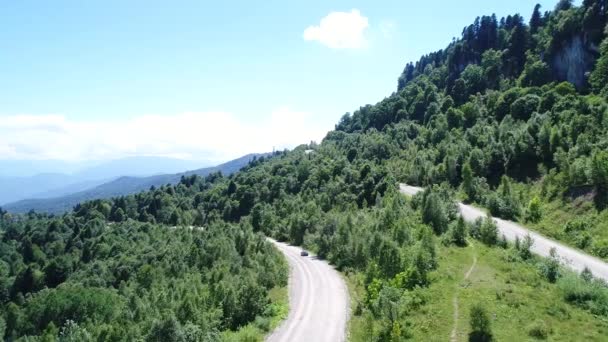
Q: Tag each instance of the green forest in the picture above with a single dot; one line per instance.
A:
(504, 118)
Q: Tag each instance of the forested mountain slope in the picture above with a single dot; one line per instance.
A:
(496, 117)
(499, 116)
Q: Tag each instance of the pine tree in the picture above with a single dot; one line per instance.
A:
(563, 5)
(536, 21)
(434, 214)
(517, 47)
(594, 19)
(459, 233)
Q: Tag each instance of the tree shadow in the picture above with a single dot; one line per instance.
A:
(478, 336)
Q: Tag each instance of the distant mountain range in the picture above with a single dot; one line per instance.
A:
(43, 186)
(119, 187)
(21, 179)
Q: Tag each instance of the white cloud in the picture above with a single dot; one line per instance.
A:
(215, 136)
(340, 30)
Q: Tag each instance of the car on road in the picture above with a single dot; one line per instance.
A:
(304, 253)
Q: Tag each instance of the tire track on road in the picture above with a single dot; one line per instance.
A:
(318, 300)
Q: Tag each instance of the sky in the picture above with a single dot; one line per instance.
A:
(208, 80)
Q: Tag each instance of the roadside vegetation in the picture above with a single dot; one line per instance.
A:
(515, 295)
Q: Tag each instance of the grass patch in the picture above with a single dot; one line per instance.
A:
(522, 306)
(275, 313)
(357, 324)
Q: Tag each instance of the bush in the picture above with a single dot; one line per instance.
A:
(247, 334)
(457, 234)
(549, 268)
(485, 230)
(577, 225)
(534, 212)
(503, 207)
(524, 247)
(600, 248)
(539, 330)
(591, 295)
(480, 324)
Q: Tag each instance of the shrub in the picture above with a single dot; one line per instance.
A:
(539, 330)
(549, 268)
(485, 230)
(577, 225)
(505, 207)
(457, 234)
(534, 212)
(524, 248)
(600, 248)
(480, 324)
(248, 334)
(591, 295)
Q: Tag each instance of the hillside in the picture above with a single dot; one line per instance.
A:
(511, 116)
(499, 118)
(119, 187)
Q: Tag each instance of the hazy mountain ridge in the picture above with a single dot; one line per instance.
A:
(62, 178)
(121, 186)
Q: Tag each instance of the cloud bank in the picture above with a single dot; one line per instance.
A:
(340, 30)
(214, 136)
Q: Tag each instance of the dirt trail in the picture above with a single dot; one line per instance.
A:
(453, 335)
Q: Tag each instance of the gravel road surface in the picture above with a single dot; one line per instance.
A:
(572, 258)
(318, 300)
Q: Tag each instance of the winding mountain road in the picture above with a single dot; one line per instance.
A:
(318, 300)
(570, 257)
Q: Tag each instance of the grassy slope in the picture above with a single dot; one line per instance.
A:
(515, 296)
(558, 211)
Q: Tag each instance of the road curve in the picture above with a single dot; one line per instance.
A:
(318, 300)
(572, 258)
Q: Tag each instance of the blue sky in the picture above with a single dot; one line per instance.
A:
(201, 79)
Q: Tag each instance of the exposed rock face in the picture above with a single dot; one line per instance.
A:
(573, 60)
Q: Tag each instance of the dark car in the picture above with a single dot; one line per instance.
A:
(304, 253)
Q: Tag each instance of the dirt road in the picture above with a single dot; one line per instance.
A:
(570, 257)
(318, 300)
